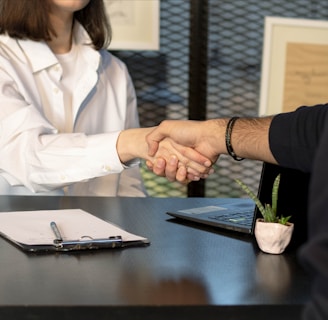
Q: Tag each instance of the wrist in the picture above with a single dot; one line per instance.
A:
(131, 144)
(122, 146)
(228, 139)
(217, 135)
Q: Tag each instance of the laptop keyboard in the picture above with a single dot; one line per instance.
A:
(242, 218)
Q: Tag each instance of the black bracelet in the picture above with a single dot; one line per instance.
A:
(228, 132)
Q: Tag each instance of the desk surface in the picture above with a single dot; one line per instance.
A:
(188, 272)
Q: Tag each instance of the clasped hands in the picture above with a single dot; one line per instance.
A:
(181, 151)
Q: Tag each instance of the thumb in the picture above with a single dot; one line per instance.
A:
(153, 139)
(152, 147)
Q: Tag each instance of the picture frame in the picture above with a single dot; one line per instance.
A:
(294, 64)
(135, 24)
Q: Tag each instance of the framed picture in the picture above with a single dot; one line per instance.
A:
(294, 65)
(135, 24)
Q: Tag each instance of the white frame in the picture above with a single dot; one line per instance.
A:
(135, 24)
(278, 34)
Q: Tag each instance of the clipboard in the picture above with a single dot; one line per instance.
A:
(64, 230)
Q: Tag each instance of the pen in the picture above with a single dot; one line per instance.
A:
(56, 231)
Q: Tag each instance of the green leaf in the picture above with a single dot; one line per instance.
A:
(284, 220)
(275, 190)
(269, 212)
(252, 195)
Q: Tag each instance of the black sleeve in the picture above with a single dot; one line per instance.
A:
(314, 254)
(294, 136)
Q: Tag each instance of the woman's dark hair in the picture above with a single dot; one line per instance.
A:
(28, 19)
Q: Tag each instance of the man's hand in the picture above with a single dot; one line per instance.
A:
(205, 137)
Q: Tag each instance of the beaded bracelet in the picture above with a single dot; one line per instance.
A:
(228, 132)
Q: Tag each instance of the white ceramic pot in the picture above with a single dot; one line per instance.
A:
(273, 237)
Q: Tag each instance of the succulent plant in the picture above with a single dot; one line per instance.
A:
(268, 211)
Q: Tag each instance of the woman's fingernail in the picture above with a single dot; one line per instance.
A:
(173, 160)
(160, 163)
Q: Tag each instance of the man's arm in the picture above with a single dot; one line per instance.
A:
(289, 139)
(249, 137)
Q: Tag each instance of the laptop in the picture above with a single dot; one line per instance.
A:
(240, 214)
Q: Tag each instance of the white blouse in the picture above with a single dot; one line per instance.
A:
(52, 144)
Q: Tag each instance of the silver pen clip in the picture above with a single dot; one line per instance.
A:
(58, 236)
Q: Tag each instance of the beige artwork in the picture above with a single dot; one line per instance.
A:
(306, 75)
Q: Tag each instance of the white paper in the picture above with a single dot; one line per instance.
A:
(33, 227)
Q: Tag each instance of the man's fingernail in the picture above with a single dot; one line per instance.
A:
(207, 163)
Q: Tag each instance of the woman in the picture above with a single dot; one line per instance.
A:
(67, 106)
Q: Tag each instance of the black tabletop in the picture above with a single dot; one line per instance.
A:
(187, 272)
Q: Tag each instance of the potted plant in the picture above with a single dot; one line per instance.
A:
(272, 232)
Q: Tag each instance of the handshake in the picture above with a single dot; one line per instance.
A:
(182, 151)
(185, 151)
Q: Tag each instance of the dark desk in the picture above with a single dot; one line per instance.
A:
(187, 272)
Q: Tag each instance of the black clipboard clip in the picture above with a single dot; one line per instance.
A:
(85, 242)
